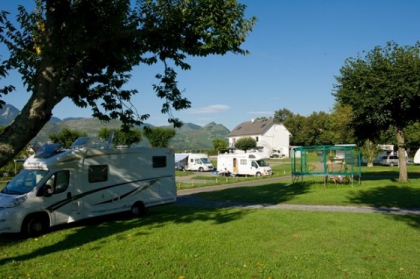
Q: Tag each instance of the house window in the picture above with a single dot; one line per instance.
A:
(256, 139)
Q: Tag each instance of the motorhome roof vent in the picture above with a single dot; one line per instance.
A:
(92, 142)
(48, 150)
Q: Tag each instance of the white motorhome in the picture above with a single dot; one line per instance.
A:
(59, 186)
(193, 162)
(252, 163)
(416, 159)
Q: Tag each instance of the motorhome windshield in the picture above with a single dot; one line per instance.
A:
(205, 160)
(24, 182)
(262, 163)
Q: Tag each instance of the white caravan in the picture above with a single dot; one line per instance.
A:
(193, 162)
(91, 179)
(243, 164)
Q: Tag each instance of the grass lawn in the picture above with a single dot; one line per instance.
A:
(380, 189)
(187, 242)
(183, 242)
(198, 180)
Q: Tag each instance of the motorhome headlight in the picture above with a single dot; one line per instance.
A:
(18, 200)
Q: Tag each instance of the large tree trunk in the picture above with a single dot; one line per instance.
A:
(33, 117)
(15, 137)
(401, 155)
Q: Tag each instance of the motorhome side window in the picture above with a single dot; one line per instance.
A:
(243, 161)
(59, 181)
(98, 173)
(159, 161)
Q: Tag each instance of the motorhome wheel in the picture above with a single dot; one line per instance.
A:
(258, 174)
(200, 169)
(138, 209)
(35, 225)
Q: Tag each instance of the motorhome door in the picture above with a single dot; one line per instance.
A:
(235, 166)
(58, 196)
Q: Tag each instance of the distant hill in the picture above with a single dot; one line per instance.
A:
(196, 137)
(55, 119)
(7, 114)
(189, 137)
(72, 118)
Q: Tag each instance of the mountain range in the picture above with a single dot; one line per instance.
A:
(189, 137)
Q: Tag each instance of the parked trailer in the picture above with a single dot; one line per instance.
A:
(243, 164)
(62, 186)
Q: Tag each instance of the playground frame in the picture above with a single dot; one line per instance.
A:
(340, 163)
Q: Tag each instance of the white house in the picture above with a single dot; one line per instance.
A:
(271, 136)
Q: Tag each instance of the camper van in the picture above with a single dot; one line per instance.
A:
(59, 186)
(243, 164)
(193, 162)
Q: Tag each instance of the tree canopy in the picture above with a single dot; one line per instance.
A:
(66, 136)
(159, 136)
(220, 144)
(245, 143)
(383, 90)
(121, 137)
(85, 50)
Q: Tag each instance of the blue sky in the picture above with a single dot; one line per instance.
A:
(297, 48)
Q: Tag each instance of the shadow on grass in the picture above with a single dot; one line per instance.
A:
(273, 193)
(391, 196)
(391, 174)
(388, 196)
(412, 220)
(77, 234)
